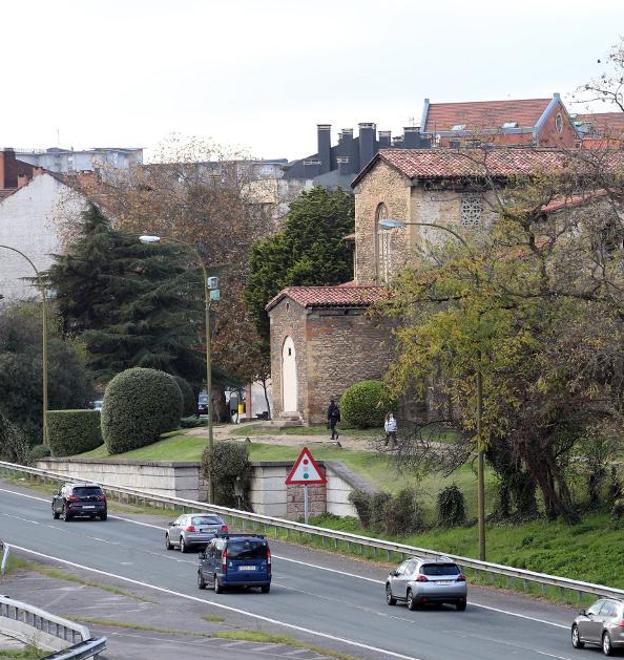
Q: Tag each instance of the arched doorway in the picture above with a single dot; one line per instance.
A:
(289, 376)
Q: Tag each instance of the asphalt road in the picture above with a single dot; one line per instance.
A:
(336, 600)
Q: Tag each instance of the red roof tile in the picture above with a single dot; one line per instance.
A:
(484, 114)
(330, 296)
(601, 123)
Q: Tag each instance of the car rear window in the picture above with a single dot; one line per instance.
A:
(206, 520)
(439, 569)
(87, 491)
(247, 549)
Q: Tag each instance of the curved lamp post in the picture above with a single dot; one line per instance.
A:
(147, 239)
(391, 223)
(44, 356)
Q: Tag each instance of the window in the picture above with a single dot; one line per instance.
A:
(510, 124)
(595, 608)
(454, 144)
(471, 209)
(247, 549)
(439, 569)
(383, 255)
(559, 122)
(458, 127)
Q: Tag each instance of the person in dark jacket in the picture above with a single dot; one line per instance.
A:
(333, 417)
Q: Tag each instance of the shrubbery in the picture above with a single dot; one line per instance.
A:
(13, 443)
(189, 402)
(227, 462)
(139, 405)
(37, 453)
(365, 404)
(387, 514)
(451, 507)
(73, 431)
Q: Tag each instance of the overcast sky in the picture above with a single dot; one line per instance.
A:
(260, 74)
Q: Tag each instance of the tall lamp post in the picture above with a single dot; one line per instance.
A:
(44, 343)
(211, 292)
(388, 224)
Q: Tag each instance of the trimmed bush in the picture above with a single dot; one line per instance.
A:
(73, 431)
(403, 513)
(227, 462)
(38, 452)
(361, 500)
(13, 443)
(139, 405)
(189, 402)
(365, 404)
(451, 507)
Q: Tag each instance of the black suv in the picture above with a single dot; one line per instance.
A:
(74, 499)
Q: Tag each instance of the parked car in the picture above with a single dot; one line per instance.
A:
(235, 560)
(424, 580)
(193, 529)
(202, 404)
(602, 625)
(97, 405)
(79, 499)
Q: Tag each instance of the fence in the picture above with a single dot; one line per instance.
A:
(338, 539)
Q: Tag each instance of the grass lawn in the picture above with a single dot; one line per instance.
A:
(251, 430)
(174, 446)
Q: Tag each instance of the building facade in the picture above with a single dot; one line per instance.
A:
(63, 161)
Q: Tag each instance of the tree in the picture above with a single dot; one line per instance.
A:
(310, 249)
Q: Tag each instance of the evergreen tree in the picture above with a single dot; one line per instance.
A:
(133, 305)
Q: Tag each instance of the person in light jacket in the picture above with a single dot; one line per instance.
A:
(390, 427)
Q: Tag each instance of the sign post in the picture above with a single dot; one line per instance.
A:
(305, 471)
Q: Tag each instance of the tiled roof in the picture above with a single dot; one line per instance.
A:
(572, 201)
(599, 123)
(484, 114)
(330, 296)
(449, 163)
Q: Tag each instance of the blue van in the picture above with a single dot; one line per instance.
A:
(235, 560)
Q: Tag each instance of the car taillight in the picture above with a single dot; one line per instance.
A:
(461, 578)
(72, 498)
(101, 498)
(224, 529)
(621, 623)
(422, 578)
(224, 561)
(189, 528)
(268, 557)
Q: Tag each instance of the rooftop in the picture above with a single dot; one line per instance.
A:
(339, 295)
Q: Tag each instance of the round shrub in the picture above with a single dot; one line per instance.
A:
(139, 405)
(73, 431)
(38, 452)
(228, 462)
(403, 513)
(365, 404)
(189, 402)
(451, 507)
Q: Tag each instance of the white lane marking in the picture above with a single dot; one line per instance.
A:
(329, 570)
(229, 608)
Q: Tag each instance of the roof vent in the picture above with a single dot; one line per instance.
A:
(459, 127)
(510, 124)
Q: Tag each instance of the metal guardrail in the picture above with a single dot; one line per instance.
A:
(336, 536)
(89, 648)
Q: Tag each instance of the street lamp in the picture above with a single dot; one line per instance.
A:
(391, 223)
(44, 356)
(210, 294)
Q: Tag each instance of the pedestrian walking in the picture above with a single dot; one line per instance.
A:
(390, 427)
(333, 417)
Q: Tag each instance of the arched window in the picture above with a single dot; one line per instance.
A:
(383, 256)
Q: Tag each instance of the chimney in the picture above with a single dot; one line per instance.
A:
(385, 139)
(367, 142)
(323, 132)
(8, 169)
(344, 165)
(411, 137)
(397, 141)
(348, 150)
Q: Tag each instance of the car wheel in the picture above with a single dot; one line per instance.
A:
(460, 605)
(103, 516)
(411, 600)
(218, 587)
(390, 600)
(168, 545)
(183, 547)
(607, 649)
(66, 516)
(265, 588)
(576, 638)
(55, 514)
(201, 583)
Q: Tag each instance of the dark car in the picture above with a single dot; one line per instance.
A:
(202, 404)
(235, 560)
(193, 529)
(79, 499)
(601, 624)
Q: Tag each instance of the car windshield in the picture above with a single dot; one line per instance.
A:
(247, 549)
(439, 569)
(87, 491)
(205, 520)
(203, 399)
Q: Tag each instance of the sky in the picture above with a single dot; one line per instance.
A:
(258, 75)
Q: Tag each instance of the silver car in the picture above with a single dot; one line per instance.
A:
(424, 580)
(193, 529)
(601, 624)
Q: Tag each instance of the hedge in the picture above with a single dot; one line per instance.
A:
(228, 462)
(139, 405)
(188, 397)
(73, 431)
(365, 404)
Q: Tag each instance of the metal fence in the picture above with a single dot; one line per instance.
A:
(336, 539)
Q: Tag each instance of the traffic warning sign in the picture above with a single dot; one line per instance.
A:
(305, 471)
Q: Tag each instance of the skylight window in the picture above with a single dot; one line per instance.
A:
(458, 127)
(510, 124)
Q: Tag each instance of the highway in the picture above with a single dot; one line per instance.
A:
(338, 600)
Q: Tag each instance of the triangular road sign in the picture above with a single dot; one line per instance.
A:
(305, 471)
